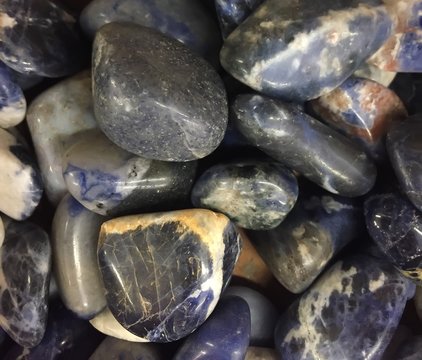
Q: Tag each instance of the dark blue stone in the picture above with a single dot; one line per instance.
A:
(411, 349)
(224, 336)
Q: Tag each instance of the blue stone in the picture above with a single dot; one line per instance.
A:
(411, 349)
(350, 313)
(224, 336)
(112, 348)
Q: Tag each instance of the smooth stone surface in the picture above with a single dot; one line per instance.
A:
(38, 37)
(371, 72)
(263, 314)
(396, 227)
(411, 349)
(132, 91)
(109, 180)
(74, 238)
(24, 280)
(26, 81)
(326, 322)
(305, 145)
(183, 20)
(301, 50)
(21, 186)
(64, 111)
(180, 263)
(225, 335)
(404, 145)
(362, 110)
(254, 195)
(258, 353)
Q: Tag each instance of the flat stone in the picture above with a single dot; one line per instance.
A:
(38, 37)
(404, 145)
(259, 353)
(371, 72)
(24, 280)
(21, 186)
(326, 322)
(301, 50)
(64, 111)
(132, 99)
(109, 180)
(362, 110)
(305, 145)
(411, 349)
(225, 335)
(74, 238)
(181, 262)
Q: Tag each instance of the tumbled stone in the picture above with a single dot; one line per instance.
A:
(160, 101)
(74, 238)
(259, 353)
(404, 145)
(360, 299)
(26, 81)
(371, 72)
(225, 335)
(64, 111)
(24, 279)
(21, 186)
(411, 349)
(305, 145)
(181, 262)
(109, 180)
(301, 50)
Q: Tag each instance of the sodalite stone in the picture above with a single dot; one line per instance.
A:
(225, 335)
(160, 101)
(362, 110)
(371, 72)
(180, 263)
(404, 145)
(38, 37)
(259, 353)
(305, 145)
(74, 238)
(64, 111)
(301, 50)
(326, 322)
(253, 195)
(396, 227)
(21, 186)
(24, 279)
(411, 349)
(109, 180)
(184, 20)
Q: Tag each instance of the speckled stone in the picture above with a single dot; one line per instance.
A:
(411, 349)
(326, 322)
(132, 91)
(259, 353)
(371, 72)
(305, 145)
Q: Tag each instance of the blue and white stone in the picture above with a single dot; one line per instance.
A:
(109, 180)
(371, 72)
(24, 281)
(21, 187)
(74, 238)
(260, 353)
(411, 349)
(350, 313)
(64, 111)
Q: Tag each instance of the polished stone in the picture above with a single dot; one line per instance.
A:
(21, 186)
(305, 145)
(180, 263)
(24, 280)
(64, 111)
(371, 72)
(259, 353)
(160, 101)
(327, 321)
(74, 238)
(109, 180)
(301, 50)
(224, 336)
(411, 349)
(26, 81)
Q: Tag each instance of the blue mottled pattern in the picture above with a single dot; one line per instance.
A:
(409, 57)
(74, 207)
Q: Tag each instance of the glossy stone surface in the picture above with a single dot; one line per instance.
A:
(21, 186)
(371, 72)
(225, 335)
(259, 353)
(355, 291)
(362, 110)
(263, 314)
(411, 349)
(305, 145)
(132, 99)
(64, 111)
(74, 238)
(301, 50)
(180, 263)
(24, 280)
(109, 180)
(396, 227)
(404, 145)
(38, 37)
